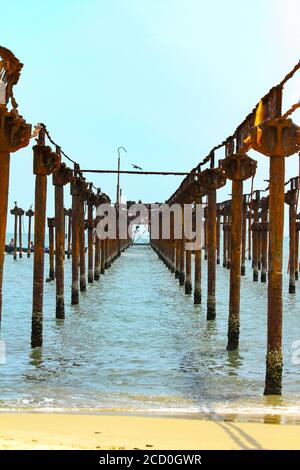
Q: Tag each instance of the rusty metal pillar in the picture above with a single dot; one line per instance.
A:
(20, 215)
(15, 213)
(197, 286)
(188, 271)
(59, 179)
(68, 213)
(99, 267)
(182, 250)
(229, 238)
(218, 233)
(44, 163)
(90, 224)
(225, 237)
(297, 249)
(291, 200)
(205, 231)
(172, 244)
(244, 235)
(75, 193)
(14, 135)
(249, 217)
(279, 139)
(211, 254)
(82, 199)
(255, 234)
(211, 180)
(29, 214)
(264, 238)
(237, 167)
(51, 225)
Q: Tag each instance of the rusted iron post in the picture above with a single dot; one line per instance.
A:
(172, 244)
(259, 242)
(29, 214)
(237, 167)
(211, 179)
(279, 139)
(68, 214)
(99, 262)
(82, 199)
(90, 224)
(177, 252)
(291, 200)
(75, 193)
(44, 163)
(264, 238)
(15, 213)
(188, 272)
(244, 234)
(51, 225)
(20, 215)
(255, 234)
(59, 179)
(249, 217)
(229, 237)
(182, 252)
(205, 231)
(225, 237)
(297, 249)
(218, 233)
(14, 134)
(197, 287)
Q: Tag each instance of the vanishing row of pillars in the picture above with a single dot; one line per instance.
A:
(264, 219)
(101, 254)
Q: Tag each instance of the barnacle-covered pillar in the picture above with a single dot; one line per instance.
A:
(210, 180)
(14, 135)
(59, 179)
(45, 162)
(238, 168)
(279, 139)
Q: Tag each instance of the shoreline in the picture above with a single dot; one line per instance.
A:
(121, 432)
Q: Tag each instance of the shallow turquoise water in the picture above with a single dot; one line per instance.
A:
(137, 343)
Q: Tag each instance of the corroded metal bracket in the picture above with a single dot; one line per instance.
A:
(63, 176)
(238, 167)
(45, 161)
(276, 137)
(212, 178)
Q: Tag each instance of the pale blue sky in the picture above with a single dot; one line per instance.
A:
(167, 79)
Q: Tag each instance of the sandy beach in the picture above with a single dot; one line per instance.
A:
(74, 431)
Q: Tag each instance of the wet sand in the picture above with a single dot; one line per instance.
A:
(75, 431)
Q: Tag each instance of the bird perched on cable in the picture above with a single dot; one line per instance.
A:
(136, 167)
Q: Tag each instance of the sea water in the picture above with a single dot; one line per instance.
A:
(137, 343)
